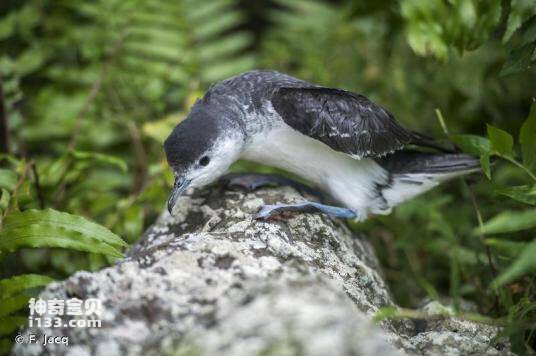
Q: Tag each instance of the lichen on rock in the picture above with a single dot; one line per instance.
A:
(212, 280)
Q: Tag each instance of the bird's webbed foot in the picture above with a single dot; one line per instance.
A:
(269, 211)
(253, 181)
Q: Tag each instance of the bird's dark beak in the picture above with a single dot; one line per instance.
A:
(179, 187)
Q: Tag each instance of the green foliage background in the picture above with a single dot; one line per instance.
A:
(90, 89)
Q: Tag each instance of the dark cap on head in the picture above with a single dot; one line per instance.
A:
(191, 138)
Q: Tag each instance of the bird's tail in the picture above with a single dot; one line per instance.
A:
(413, 173)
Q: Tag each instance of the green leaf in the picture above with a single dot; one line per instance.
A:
(518, 60)
(432, 27)
(51, 173)
(485, 164)
(9, 324)
(13, 304)
(511, 248)
(60, 220)
(523, 193)
(523, 264)
(228, 68)
(509, 221)
(13, 285)
(8, 25)
(4, 199)
(100, 158)
(8, 179)
(529, 34)
(501, 141)
(43, 235)
(472, 144)
(10, 158)
(520, 10)
(527, 139)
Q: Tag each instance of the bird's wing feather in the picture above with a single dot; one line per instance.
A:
(344, 121)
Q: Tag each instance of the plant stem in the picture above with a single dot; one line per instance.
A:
(516, 163)
(441, 119)
(481, 228)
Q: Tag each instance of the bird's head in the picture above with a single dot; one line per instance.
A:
(200, 149)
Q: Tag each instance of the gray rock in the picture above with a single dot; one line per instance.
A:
(211, 280)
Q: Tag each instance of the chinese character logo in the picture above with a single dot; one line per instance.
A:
(38, 306)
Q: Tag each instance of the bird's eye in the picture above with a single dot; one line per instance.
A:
(204, 161)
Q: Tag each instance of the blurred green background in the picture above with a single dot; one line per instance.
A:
(90, 89)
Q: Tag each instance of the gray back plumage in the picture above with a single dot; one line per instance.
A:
(345, 121)
(248, 96)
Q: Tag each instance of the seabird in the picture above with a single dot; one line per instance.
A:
(343, 143)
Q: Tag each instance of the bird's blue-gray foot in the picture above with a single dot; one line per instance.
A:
(253, 181)
(268, 211)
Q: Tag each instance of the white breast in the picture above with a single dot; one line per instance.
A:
(350, 181)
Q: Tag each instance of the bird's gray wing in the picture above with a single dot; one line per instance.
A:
(345, 121)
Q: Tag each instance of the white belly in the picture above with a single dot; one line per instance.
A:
(352, 182)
